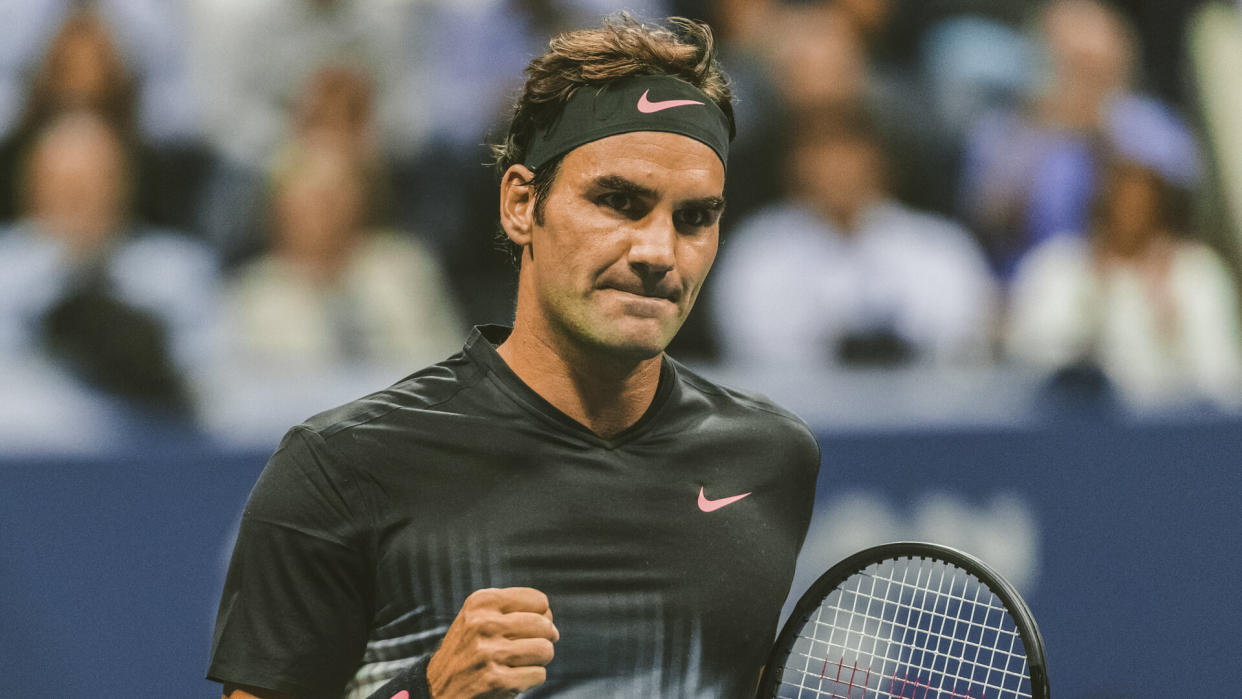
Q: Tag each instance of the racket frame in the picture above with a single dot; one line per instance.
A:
(1024, 620)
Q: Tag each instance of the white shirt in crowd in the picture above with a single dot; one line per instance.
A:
(789, 286)
(1162, 340)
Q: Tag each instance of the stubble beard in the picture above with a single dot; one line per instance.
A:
(597, 333)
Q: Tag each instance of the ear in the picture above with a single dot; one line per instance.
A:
(517, 204)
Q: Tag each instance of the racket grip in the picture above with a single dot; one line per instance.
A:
(410, 684)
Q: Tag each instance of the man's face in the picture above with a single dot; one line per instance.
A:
(630, 229)
(77, 183)
(841, 176)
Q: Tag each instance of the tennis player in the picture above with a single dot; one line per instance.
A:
(560, 509)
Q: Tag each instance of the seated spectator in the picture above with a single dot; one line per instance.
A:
(147, 36)
(80, 70)
(841, 272)
(975, 58)
(1156, 311)
(1030, 172)
(120, 59)
(331, 291)
(820, 55)
(254, 64)
(127, 307)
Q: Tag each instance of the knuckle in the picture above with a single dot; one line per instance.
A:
(529, 597)
(548, 630)
(496, 679)
(482, 598)
(484, 625)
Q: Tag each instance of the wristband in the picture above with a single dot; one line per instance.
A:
(410, 684)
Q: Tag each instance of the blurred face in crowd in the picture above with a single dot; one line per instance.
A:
(1090, 49)
(742, 21)
(1132, 213)
(869, 17)
(338, 100)
(83, 66)
(318, 208)
(628, 233)
(820, 60)
(77, 182)
(840, 175)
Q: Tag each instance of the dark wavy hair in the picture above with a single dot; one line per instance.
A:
(622, 47)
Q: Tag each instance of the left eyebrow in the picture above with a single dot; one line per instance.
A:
(708, 203)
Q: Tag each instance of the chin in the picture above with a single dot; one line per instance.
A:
(635, 348)
(631, 343)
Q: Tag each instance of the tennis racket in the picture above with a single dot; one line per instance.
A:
(908, 621)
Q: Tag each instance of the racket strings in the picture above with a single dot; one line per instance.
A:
(909, 629)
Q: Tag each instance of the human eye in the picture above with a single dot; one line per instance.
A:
(696, 217)
(621, 202)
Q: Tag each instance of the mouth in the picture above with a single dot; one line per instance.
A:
(643, 304)
(670, 294)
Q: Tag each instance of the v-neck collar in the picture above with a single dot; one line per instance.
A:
(481, 349)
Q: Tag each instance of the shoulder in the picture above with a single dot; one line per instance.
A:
(746, 412)
(431, 389)
(164, 243)
(778, 235)
(1197, 266)
(907, 233)
(268, 275)
(342, 447)
(27, 257)
(390, 247)
(183, 260)
(1058, 255)
(923, 229)
(1193, 256)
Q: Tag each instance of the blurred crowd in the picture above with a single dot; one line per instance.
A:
(198, 193)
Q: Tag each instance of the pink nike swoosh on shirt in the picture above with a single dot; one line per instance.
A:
(646, 106)
(713, 505)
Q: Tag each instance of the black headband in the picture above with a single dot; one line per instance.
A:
(643, 103)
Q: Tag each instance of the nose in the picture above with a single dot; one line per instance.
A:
(652, 250)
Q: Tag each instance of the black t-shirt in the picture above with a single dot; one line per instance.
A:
(372, 523)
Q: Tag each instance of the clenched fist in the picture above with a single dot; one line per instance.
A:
(496, 647)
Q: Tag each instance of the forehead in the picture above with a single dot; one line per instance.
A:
(666, 162)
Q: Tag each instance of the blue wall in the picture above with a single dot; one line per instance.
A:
(110, 567)
(1139, 540)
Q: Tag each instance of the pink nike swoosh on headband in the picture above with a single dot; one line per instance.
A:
(713, 505)
(646, 106)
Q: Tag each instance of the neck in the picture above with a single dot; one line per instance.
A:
(606, 394)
